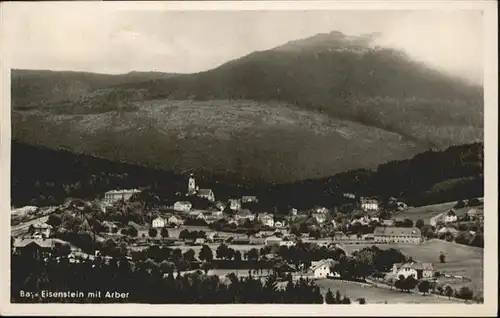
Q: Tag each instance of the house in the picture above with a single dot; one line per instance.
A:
(445, 230)
(249, 199)
(293, 211)
(320, 217)
(197, 215)
(287, 243)
(43, 228)
(349, 195)
(207, 194)
(219, 205)
(405, 235)
(266, 219)
(271, 240)
(235, 204)
(109, 225)
(35, 247)
(174, 220)
(401, 205)
(476, 214)
(183, 206)
(158, 223)
(323, 269)
(116, 195)
(199, 241)
(244, 214)
(279, 224)
(134, 225)
(210, 218)
(418, 270)
(217, 213)
(369, 204)
(387, 222)
(434, 221)
(450, 216)
(321, 209)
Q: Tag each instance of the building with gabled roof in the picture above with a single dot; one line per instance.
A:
(391, 234)
(419, 270)
(207, 194)
(323, 268)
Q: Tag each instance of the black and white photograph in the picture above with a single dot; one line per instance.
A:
(157, 154)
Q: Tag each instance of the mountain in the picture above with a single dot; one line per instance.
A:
(306, 109)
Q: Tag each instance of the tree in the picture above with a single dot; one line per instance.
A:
(54, 220)
(133, 232)
(419, 224)
(206, 267)
(164, 232)
(221, 251)
(152, 232)
(184, 234)
(473, 202)
(407, 223)
(465, 293)
(361, 301)
(329, 298)
(237, 256)
(206, 253)
(410, 283)
(442, 258)
(424, 287)
(253, 254)
(448, 291)
(189, 255)
(114, 230)
(460, 204)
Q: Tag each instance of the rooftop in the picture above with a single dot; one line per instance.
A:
(123, 191)
(205, 191)
(397, 231)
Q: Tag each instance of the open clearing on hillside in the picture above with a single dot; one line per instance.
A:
(270, 141)
(427, 212)
(374, 295)
(461, 260)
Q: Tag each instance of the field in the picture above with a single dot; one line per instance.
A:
(375, 295)
(427, 212)
(461, 260)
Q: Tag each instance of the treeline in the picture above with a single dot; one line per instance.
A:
(148, 283)
(42, 176)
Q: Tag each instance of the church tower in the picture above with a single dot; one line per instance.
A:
(191, 184)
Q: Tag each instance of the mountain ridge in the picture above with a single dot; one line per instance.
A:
(312, 112)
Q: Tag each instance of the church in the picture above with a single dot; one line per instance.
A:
(194, 190)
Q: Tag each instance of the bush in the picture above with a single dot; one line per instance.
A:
(473, 202)
(460, 204)
(464, 293)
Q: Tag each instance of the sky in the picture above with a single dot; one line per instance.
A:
(61, 38)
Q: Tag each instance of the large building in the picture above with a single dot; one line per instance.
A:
(194, 190)
(183, 206)
(323, 269)
(116, 195)
(406, 235)
(207, 194)
(369, 204)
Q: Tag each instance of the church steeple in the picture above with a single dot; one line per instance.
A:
(191, 184)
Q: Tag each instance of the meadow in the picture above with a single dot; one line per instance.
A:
(427, 212)
(374, 295)
(461, 260)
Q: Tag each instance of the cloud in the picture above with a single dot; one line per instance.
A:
(59, 37)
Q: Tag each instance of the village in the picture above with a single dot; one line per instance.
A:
(199, 232)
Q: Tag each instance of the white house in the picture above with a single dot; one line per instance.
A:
(249, 199)
(43, 229)
(369, 204)
(116, 195)
(450, 216)
(235, 204)
(183, 206)
(323, 269)
(287, 243)
(272, 240)
(197, 215)
(173, 220)
(279, 224)
(158, 223)
(418, 270)
(244, 214)
(266, 219)
(207, 194)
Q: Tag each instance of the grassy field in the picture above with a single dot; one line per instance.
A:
(427, 212)
(461, 260)
(375, 295)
